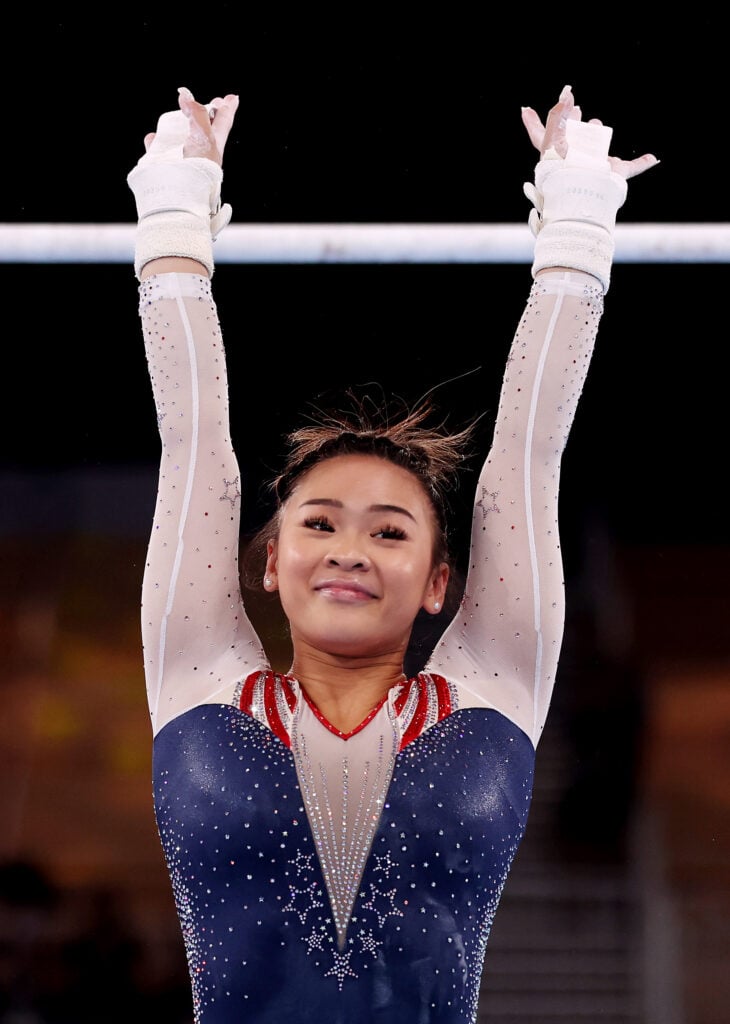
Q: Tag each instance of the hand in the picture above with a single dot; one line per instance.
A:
(202, 133)
(177, 187)
(551, 135)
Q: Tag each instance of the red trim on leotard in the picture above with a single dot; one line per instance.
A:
(246, 697)
(272, 710)
(289, 695)
(443, 704)
(419, 715)
(443, 695)
(338, 732)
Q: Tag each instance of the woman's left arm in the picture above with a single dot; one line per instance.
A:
(503, 644)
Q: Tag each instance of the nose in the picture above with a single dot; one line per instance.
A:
(348, 562)
(348, 557)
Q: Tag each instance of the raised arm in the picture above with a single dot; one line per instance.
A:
(502, 646)
(198, 641)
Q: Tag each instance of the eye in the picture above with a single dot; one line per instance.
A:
(319, 523)
(391, 533)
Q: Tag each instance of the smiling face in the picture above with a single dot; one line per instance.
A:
(353, 560)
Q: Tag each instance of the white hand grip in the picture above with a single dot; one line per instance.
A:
(588, 144)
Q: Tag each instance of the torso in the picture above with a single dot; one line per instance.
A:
(367, 870)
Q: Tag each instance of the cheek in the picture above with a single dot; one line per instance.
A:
(290, 574)
(412, 572)
(294, 560)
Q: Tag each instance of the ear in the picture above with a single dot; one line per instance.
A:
(271, 578)
(433, 601)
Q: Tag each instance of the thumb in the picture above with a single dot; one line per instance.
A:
(630, 168)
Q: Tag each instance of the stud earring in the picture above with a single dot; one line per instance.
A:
(267, 581)
(436, 605)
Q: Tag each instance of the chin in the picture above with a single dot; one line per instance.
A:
(346, 644)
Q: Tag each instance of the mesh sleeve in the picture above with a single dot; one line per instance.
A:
(198, 641)
(502, 646)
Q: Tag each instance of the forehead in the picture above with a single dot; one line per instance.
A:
(360, 479)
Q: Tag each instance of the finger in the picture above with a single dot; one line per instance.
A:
(201, 141)
(148, 140)
(555, 123)
(196, 113)
(184, 96)
(641, 164)
(224, 112)
(534, 126)
(630, 168)
(188, 104)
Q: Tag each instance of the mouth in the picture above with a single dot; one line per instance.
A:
(347, 591)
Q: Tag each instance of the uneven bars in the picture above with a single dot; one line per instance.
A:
(362, 243)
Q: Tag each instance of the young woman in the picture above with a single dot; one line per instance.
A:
(338, 836)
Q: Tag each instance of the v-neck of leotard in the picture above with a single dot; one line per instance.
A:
(333, 729)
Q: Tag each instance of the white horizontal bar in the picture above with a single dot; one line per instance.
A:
(362, 243)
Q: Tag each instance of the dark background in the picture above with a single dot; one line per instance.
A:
(368, 116)
(358, 114)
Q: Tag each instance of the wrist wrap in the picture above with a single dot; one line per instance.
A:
(574, 216)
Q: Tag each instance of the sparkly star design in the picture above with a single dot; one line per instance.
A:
(484, 502)
(315, 940)
(384, 862)
(341, 967)
(302, 862)
(231, 493)
(309, 894)
(382, 915)
(369, 943)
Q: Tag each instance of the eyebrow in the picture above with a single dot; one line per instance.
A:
(334, 503)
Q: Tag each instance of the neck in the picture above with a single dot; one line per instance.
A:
(346, 690)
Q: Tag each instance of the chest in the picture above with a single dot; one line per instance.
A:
(227, 791)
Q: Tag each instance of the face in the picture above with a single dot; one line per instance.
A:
(353, 561)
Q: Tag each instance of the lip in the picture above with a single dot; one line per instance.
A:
(344, 590)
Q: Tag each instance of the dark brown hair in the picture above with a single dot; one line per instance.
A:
(410, 437)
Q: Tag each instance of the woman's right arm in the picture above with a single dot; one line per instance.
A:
(198, 641)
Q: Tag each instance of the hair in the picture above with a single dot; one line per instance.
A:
(410, 437)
